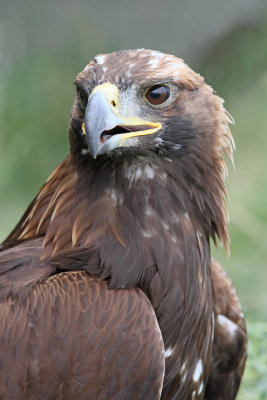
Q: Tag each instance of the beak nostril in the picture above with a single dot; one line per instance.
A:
(113, 103)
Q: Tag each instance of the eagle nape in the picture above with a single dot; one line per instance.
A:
(107, 285)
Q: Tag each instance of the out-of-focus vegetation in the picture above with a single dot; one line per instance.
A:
(36, 93)
(254, 385)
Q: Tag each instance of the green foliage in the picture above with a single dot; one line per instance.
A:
(34, 121)
(254, 385)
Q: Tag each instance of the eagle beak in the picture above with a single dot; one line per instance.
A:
(104, 128)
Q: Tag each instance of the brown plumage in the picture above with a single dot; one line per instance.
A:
(137, 211)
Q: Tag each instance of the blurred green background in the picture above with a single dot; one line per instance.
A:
(43, 45)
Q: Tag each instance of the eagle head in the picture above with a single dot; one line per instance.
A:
(147, 101)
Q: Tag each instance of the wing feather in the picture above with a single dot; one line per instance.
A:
(70, 337)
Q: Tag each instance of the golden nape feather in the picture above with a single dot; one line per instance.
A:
(107, 286)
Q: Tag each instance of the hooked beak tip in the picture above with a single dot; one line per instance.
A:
(98, 118)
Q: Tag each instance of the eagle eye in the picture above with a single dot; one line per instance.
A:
(157, 94)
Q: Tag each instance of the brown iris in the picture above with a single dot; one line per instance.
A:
(157, 94)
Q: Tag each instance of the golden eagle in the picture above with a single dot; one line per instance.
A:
(107, 286)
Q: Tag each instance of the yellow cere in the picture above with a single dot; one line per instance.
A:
(111, 92)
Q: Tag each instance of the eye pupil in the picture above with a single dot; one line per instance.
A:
(157, 94)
